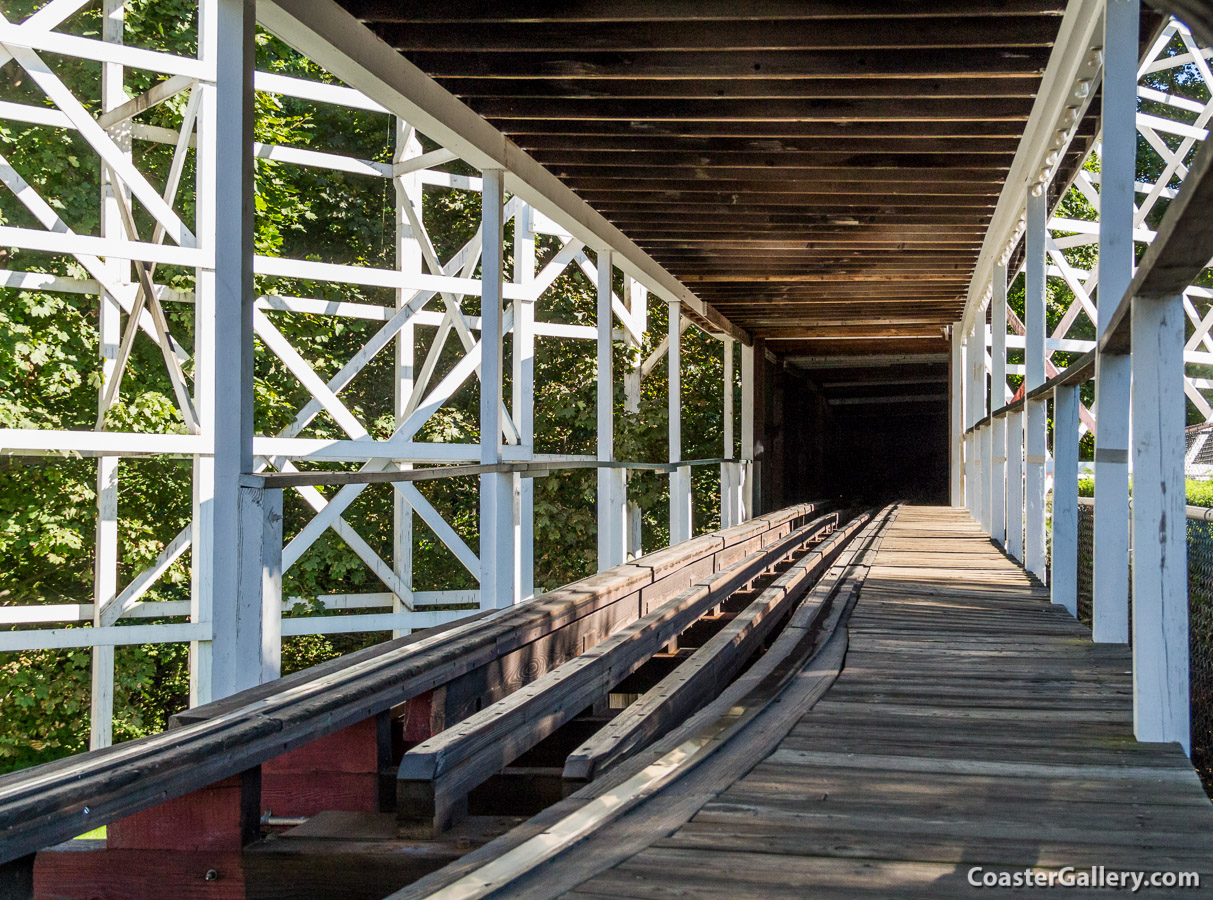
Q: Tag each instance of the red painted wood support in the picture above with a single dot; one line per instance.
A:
(188, 847)
(191, 846)
(339, 772)
(223, 816)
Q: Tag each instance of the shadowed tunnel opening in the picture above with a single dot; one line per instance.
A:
(870, 431)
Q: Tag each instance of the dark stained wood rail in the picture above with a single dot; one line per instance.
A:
(620, 813)
(709, 670)
(436, 776)
(448, 672)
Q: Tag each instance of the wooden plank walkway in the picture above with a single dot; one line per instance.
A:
(974, 724)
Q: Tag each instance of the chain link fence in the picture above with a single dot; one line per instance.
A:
(1200, 630)
(1086, 577)
(1199, 465)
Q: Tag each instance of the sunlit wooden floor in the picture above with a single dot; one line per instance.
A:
(974, 725)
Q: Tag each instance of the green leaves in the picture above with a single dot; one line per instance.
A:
(50, 373)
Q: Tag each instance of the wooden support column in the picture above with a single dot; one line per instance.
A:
(1161, 691)
(749, 494)
(408, 259)
(109, 334)
(1015, 479)
(987, 453)
(1034, 357)
(956, 417)
(1110, 612)
(523, 387)
(778, 416)
(998, 390)
(729, 514)
(498, 500)
(758, 375)
(611, 537)
(680, 478)
(233, 660)
(981, 438)
(260, 581)
(969, 473)
(972, 498)
(1064, 570)
(637, 299)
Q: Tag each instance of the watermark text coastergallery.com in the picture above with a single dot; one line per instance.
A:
(1093, 877)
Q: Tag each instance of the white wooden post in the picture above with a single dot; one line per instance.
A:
(1110, 592)
(747, 431)
(227, 28)
(987, 466)
(998, 391)
(728, 486)
(408, 259)
(499, 503)
(973, 353)
(1034, 358)
(523, 388)
(981, 436)
(1161, 693)
(638, 305)
(1015, 478)
(680, 478)
(610, 496)
(202, 530)
(260, 579)
(956, 420)
(109, 328)
(966, 420)
(1064, 570)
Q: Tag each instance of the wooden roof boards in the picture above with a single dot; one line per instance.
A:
(796, 164)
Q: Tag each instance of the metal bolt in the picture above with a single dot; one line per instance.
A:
(86, 810)
(212, 875)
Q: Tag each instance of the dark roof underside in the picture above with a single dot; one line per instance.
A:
(820, 172)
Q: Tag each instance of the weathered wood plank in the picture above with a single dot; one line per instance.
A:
(972, 725)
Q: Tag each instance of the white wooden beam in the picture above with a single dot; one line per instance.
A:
(748, 494)
(1015, 480)
(235, 616)
(680, 478)
(1063, 574)
(610, 496)
(956, 382)
(499, 505)
(1161, 691)
(105, 543)
(729, 512)
(1034, 359)
(523, 386)
(637, 300)
(998, 389)
(1110, 568)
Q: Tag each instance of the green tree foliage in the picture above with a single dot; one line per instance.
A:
(49, 377)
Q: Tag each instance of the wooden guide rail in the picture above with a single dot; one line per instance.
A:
(436, 776)
(707, 672)
(425, 682)
(619, 815)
